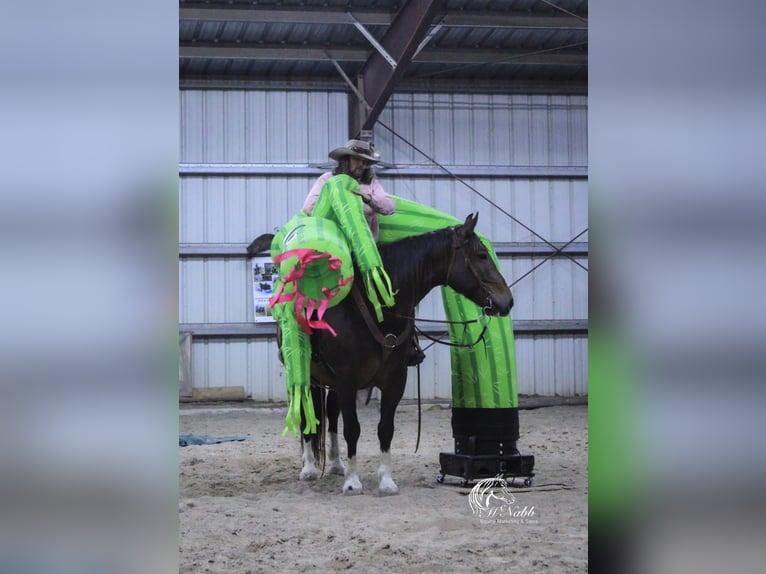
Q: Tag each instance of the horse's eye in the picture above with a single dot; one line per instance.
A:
(483, 256)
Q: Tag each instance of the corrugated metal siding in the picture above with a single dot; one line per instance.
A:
(250, 363)
(479, 129)
(261, 127)
(552, 365)
(300, 128)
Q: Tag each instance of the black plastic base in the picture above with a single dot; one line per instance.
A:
(472, 467)
(485, 446)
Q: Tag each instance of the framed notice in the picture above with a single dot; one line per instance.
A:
(264, 274)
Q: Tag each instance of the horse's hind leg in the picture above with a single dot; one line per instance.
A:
(389, 400)
(311, 448)
(333, 412)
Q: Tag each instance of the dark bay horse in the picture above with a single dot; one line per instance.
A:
(366, 353)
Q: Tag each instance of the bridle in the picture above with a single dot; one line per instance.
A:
(457, 246)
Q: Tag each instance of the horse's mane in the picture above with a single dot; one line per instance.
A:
(404, 257)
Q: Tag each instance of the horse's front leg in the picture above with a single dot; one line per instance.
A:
(351, 430)
(333, 412)
(309, 470)
(389, 400)
(311, 443)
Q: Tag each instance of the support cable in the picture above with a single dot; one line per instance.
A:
(565, 11)
(550, 256)
(485, 198)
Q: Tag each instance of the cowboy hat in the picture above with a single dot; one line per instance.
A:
(356, 148)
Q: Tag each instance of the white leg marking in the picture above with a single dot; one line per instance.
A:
(352, 484)
(387, 484)
(309, 470)
(336, 464)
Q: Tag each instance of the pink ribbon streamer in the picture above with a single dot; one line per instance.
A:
(304, 315)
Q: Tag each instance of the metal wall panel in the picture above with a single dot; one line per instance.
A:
(236, 209)
(478, 129)
(552, 208)
(273, 127)
(261, 126)
(251, 363)
(552, 365)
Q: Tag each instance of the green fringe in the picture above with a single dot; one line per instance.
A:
(378, 286)
(300, 396)
(296, 353)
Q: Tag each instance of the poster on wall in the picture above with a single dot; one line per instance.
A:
(264, 274)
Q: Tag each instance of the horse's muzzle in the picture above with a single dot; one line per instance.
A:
(499, 304)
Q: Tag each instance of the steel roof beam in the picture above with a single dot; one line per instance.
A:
(377, 78)
(477, 19)
(435, 85)
(270, 52)
(285, 16)
(428, 56)
(373, 40)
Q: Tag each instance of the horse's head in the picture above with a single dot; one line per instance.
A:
(473, 273)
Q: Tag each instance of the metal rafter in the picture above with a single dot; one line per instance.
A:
(377, 78)
(329, 15)
(516, 57)
(505, 86)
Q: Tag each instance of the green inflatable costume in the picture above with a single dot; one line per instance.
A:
(485, 415)
(316, 256)
(483, 376)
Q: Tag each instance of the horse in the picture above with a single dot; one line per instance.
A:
(366, 353)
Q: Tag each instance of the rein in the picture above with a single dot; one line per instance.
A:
(450, 343)
(455, 247)
(442, 322)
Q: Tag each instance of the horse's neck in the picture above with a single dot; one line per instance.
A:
(425, 269)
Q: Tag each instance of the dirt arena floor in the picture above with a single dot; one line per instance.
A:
(242, 508)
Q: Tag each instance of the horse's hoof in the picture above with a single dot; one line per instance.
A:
(387, 486)
(352, 486)
(309, 474)
(337, 467)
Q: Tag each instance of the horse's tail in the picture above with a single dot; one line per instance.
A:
(260, 244)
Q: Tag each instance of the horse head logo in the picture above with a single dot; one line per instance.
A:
(490, 498)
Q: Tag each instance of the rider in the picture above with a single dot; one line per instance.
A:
(356, 159)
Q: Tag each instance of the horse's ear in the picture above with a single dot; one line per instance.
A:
(470, 223)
